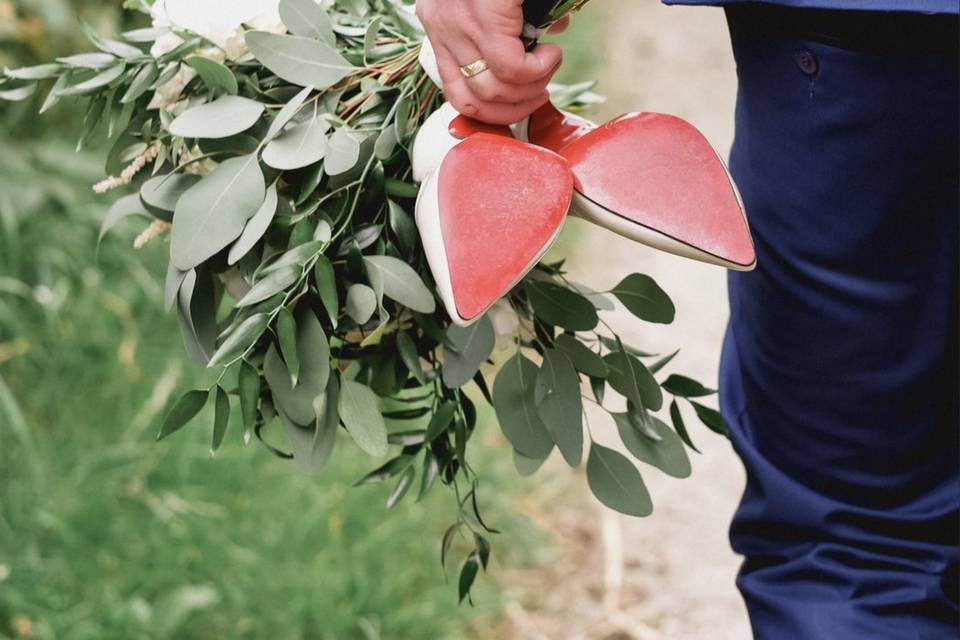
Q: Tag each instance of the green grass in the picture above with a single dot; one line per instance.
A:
(106, 534)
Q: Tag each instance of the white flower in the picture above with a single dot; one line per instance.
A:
(168, 94)
(505, 322)
(219, 21)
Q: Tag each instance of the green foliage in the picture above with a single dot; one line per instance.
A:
(292, 272)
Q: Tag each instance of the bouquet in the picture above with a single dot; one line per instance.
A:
(269, 143)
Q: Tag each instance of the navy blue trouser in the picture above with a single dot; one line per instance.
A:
(839, 369)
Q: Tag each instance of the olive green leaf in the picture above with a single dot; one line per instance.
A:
(327, 287)
(141, 83)
(270, 285)
(711, 418)
(213, 212)
(630, 378)
(100, 80)
(240, 339)
(559, 306)
(466, 349)
(361, 303)
(37, 72)
(256, 227)
(308, 19)
(160, 194)
(221, 418)
(287, 338)
(408, 354)
(287, 113)
(667, 453)
(222, 118)
(677, 419)
(526, 466)
(313, 354)
(557, 394)
(185, 410)
(616, 482)
(302, 61)
(122, 209)
(644, 298)
(343, 152)
(299, 146)
(196, 314)
(19, 94)
(686, 387)
(513, 401)
(585, 360)
(359, 410)
(401, 283)
(214, 74)
(248, 388)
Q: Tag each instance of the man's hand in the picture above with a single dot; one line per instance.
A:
(464, 31)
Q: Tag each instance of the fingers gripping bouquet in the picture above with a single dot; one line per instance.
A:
(276, 146)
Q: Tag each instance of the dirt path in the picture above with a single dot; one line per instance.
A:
(670, 575)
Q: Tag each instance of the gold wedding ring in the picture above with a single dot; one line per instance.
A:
(474, 68)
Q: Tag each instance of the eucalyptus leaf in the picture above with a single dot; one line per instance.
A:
(141, 83)
(616, 482)
(585, 360)
(37, 72)
(326, 281)
(214, 74)
(286, 114)
(221, 418)
(160, 194)
(560, 306)
(359, 410)
(526, 466)
(185, 410)
(313, 353)
(631, 379)
(248, 388)
(19, 94)
(303, 61)
(342, 153)
(667, 453)
(467, 349)
(557, 394)
(213, 212)
(401, 283)
(240, 339)
(513, 401)
(686, 387)
(99, 81)
(287, 338)
(222, 118)
(88, 60)
(361, 303)
(299, 146)
(308, 19)
(196, 314)
(122, 209)
(256, 227)
(644, 298)
(677, 419)
(269, 286)
(711, 418)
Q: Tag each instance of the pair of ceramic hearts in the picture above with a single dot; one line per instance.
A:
(494, 198)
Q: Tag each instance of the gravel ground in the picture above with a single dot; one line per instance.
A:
(670, 575)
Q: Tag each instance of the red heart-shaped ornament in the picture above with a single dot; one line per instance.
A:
(488, 215)
(655, 178)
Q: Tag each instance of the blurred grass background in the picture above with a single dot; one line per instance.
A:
(105, 534)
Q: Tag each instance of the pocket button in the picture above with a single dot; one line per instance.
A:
(807, 61)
